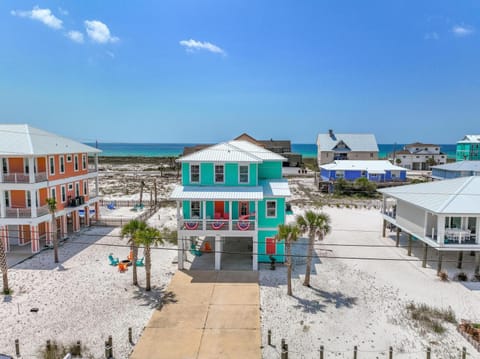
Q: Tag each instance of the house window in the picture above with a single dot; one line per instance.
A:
(243, 174)
(64, 194)
(85, 188)
(62, 164)
(69, 158)
(75, 163)
(271, 248)
(7, 199)
(53, 193)
(70, 186)
(371, 154)
(195, 209)
(271, 209)
(243, 208)
(29, 199)
(84, 162)
(77, 189)
(219, 173)
(52, 165)
(339, 174)
(5, 165)
(195, 173)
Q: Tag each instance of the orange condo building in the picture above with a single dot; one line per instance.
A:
(37, 165)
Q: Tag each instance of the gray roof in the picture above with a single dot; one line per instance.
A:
(233, 151)
(455, 196)
(470, 138)
(24, 140)
(473, 166)
(275, 188)
(363, 142)
(372, 166)
(221, 193)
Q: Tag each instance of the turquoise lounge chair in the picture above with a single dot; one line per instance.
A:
(113, 261)
(194, 250)
(139, 262)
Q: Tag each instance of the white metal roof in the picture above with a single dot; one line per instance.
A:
(372, 166)
(472, 166)
(24, 140)
(275, 188)
(455, 196)
(470, 139)
(233, 151)
(219, 193)
(363, 142)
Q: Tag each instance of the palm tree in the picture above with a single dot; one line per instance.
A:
(290, 233)
(52, 208)
(131, 230)
(315, 225)
(4, 267)
(148, 237)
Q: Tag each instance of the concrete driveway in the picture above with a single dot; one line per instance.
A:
(211, 314)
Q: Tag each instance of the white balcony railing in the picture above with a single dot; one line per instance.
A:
(217, 225)
(23, 177)
(25, 212)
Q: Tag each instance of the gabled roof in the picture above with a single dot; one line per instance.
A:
(275, 188)
(233, 151)
(456, 196)
(355, 141)
(419, 144)
(470, 138)
(24, 140)
(372, 166)
(246, 137)
(460, 166)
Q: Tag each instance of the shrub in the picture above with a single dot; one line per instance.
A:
(443, 276)
(430, 317)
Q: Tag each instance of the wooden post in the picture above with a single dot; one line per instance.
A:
(269, 337)
(49, 350)
(79, 347)
(398, 237)
(429, 353)
(107, 350)
(110, 343)
(384, 229)
(390, 353)
(321, 351)
(464, 353)
(282, 350)
(409, 250)
(425, 255)
(460, 260)
(355, 349)
(439, 263)
(477, 263)
(130, 339)
(17, 347)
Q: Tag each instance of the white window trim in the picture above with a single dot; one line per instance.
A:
(69, 160)
(84, 161)
(60, 158)
(199, 172)
(248, 174)
(215, 173)
(266, 208)
(63, 190)
(77, 193)
(75, 161)
(50, 167)
(85, 187)
(199, 208)
(52, 190)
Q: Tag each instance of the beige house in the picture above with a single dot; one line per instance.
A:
(346, 146)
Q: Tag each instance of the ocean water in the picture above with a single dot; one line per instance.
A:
(308, 150)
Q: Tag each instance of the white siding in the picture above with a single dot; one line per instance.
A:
(411, 218)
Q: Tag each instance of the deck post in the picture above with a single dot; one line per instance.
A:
(398, 237)
(460, 260)
(439, 263)
(384, 229)
(218, 252)
(181, 251)
(409, 249)
(477, 263)
(425, 255)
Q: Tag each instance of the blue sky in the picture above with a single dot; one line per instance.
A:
(205, 71)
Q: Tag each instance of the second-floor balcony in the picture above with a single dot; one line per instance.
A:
(21, 177)
(25, 212)
(219, 225)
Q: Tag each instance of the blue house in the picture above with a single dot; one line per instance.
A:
(375, 171)
(456, 169)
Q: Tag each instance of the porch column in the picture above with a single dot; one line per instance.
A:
(460, 260)
(21, 235)
(255, 251)
(398, 237)
(477, 263)
(204, 212)
(97, 211)
(76, 223)
(425, 255)
(87, 216)
(31, 172)
(218, 252)
(256, 218)
(64, 225)
(425, 221)
(181, 245)
(96, 177)
(384, 229)
(230, 215)
(439, 263)
(441, 230)
(4, 238)
(409, 249)
(3, 208)
(178, 214)
(48, 233)
(477, 230)
(33, 200)
(35, 239)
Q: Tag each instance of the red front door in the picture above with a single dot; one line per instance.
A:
(219, 208)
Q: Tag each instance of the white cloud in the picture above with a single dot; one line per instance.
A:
(99, 32)
(63, 11)
(43, 15)
(462, 30)
(193, 45)
(75, 36)
(431, 36)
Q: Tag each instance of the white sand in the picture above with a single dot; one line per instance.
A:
(85, 299)
(362, 303)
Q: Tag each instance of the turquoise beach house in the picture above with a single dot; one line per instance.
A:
(232, 192)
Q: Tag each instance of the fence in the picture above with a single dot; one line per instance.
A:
(120, 222)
